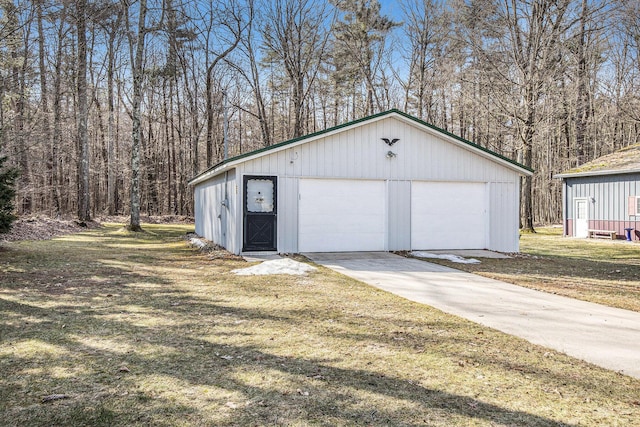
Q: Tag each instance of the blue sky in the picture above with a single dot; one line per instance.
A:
(391, 8)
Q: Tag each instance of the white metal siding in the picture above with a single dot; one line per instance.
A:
(399, 215)
(209, 212)
(208, 197)
(287, 215)
(504, 217)
(360, 153)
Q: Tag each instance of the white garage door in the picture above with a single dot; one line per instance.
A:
(448, 215)
(341, 215)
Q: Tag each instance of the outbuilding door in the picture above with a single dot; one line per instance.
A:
(448, 215)
(340, 215)
(581, 214)
(260, 210)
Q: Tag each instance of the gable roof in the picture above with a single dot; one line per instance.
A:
(231, 162)
(626, 160)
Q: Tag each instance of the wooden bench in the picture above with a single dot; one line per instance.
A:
(602, 234)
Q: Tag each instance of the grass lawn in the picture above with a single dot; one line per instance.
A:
(124, 330)
(601, 271)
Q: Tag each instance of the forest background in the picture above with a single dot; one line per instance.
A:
(110, 107)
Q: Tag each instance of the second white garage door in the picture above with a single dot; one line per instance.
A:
(341, 215)
(448, 215)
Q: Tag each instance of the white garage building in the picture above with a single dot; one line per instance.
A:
(383, 183)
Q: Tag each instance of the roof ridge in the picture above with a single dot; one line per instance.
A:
(354, 122)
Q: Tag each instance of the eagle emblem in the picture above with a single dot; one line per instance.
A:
(390, 142)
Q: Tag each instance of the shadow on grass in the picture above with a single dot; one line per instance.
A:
(200, 364)
(132, 348)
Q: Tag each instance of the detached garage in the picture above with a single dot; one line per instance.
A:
(383, 183)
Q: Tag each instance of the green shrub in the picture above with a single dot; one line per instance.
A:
(7, 192)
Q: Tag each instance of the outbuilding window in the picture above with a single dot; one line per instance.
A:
(634, 205)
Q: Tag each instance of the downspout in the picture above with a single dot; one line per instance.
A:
(225, 205)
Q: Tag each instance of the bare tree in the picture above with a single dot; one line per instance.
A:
(523, 43)
(136, 51)
(628, 20)
(112, 26)
(233, 17)
(57, 143)
(548, 82)
(296, 38)
(54, 203)
(254, 79)
(428, 35)
(84, 212)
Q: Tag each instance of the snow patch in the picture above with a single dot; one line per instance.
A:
(276, 266)
(449, 257)
(197, 243)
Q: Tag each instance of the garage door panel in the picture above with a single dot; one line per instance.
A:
(341, 215)
(337, 242)
(448, 215)
(340, 224)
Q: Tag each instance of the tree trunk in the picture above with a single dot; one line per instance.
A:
(527, 184)
(52, 201)
(582, 100)
(136, 132)
(112, 188)
(84, 213)
(19, 60)
(210, 121)
(56, 140)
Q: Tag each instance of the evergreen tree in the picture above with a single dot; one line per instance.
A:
(7, 192)
(360, 48)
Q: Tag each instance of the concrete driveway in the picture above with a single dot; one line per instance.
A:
(608, 337)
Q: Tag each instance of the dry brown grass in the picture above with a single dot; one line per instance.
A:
(601, 271)
(143, 330)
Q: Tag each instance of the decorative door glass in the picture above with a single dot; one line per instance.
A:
(260, 195)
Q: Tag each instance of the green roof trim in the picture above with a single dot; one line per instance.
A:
(472, 144)
(354, 122)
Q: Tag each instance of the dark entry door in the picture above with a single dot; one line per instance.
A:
(260, 197)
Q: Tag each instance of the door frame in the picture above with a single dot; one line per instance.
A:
(575, 214)
(273, 214)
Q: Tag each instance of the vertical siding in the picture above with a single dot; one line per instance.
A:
(359, 153)
(503, 213)
(610, 195)
(207, 208)
(398, 215)
(199, 202)
(287, 215)
(214, 221)
(609, 198)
